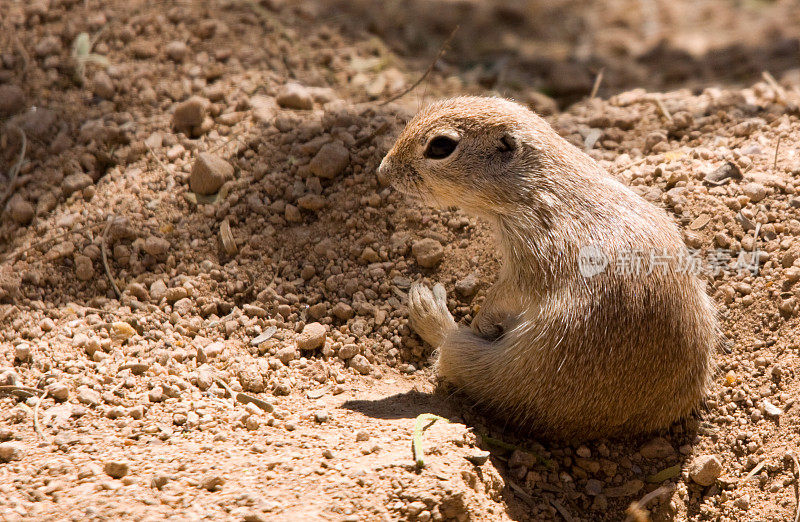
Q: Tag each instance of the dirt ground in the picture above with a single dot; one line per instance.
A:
(191, 211)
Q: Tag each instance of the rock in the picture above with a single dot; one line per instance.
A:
(264, 108)
(156, 395)
(286, 354)
(88, 396)
(189, 114)
(771, 410)
(143, 49)
(138, 291)
(183, 307)
(21, 210)
(84, 268)
(330, 161)
(156, 246)
(158, 290)
(47, 46)
(321, 416)
(209, 173)
(116, 468)
(428, 252)
(348, 351)
(159, 480)
(312, 337)
(755, 191)
(360, 364)
(625, 490)
(658, 448)
(251, 310)
(343, 311)
(8, 377)
(58, 391)
(292, 214)
(211, 482)
(22, 352)
(295, 96)
(467, 286)
(742, 502)
(594, 487)
(12, 100)
(722, 174)
(479, 457)
(176, 50)
(75, 182)
(11, 451)
(121, 331)
(312, 202)
(705, 469)
(176, 293)
(102, 85)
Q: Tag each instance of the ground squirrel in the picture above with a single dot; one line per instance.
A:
(571, 342)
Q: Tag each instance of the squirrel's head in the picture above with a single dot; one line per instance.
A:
(477, 153)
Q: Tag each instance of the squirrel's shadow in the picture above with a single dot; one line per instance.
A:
(619, 461)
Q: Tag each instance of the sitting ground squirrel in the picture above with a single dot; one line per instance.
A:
(571, 342)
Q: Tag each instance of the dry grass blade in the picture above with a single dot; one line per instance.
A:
(780, 93)
(104, 255)
(442, 51)
(226, 236)
(421, 423)
(775, 158)
(37, 428)
(597, 81)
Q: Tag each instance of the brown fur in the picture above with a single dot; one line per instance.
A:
(551, 350)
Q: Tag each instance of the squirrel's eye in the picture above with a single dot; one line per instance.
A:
(440, 147)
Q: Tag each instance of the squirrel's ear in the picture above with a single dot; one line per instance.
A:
(507, 144)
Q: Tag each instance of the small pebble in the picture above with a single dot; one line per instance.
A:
(209, 173)
(312, 337)
(11, 451)
(428, 252)
(705, 469)
(295, 96)
(360, 364)
(330, 161)
(116, 468)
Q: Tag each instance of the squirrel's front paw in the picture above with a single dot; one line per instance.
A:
(428, 313)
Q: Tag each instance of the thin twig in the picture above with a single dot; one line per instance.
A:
(104, 255)
(442, 51)
(14, 172)
(796, 486)
(36, 245)
(19, 391)
(36, 425)
(779, 92)
(562, 510)
(597, 81)
(775, 159)
(663, 109)
(383, 127)
(158, 160)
